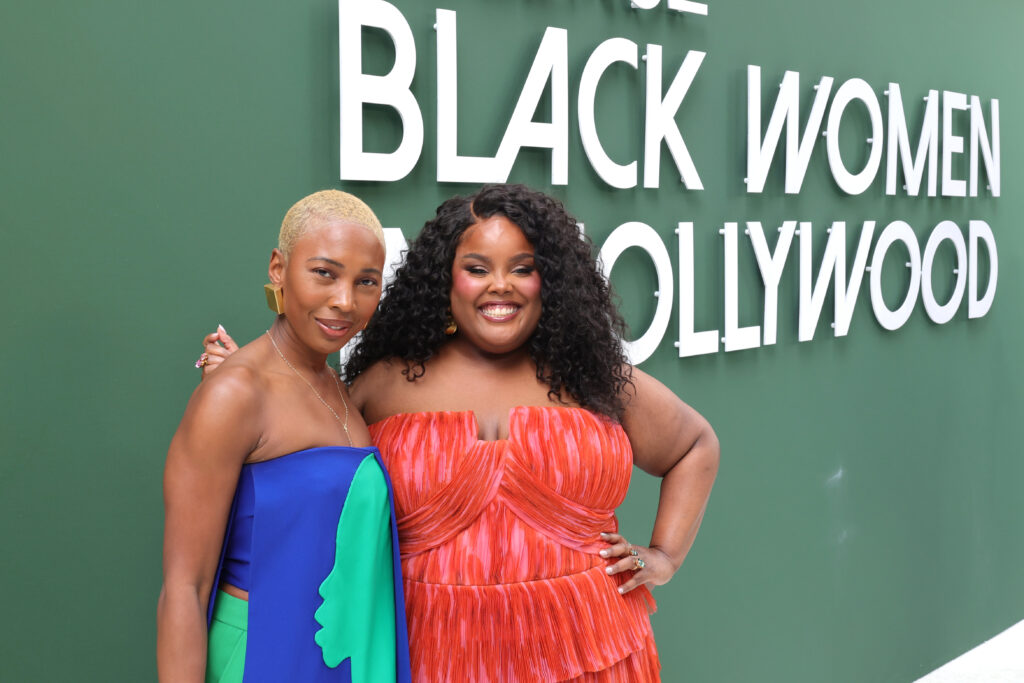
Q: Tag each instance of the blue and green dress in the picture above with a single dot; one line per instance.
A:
(312, 538)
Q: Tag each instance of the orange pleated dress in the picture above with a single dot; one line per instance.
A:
(499, 543)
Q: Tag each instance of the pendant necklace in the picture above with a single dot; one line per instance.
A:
(337, 384)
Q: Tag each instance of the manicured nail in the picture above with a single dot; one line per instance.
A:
(220, 328)
(608, 570)
(603, 553)
(604, 535)
(622, 590)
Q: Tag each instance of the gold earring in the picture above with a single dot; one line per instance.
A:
(451, 328)
(275, 298)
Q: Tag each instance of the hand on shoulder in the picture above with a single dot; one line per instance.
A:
(217, 346)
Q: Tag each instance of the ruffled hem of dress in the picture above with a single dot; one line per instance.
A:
(642, 666)
(544, 630)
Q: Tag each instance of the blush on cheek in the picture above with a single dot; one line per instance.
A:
(530, 287)
(465, 286)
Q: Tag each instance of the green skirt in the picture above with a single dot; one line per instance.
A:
(225, 650)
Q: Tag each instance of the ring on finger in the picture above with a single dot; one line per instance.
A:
(203, 360)
(638, 564)
(633, 552)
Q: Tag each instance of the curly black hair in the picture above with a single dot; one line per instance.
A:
(576, 346)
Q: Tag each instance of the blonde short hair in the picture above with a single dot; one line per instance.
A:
(328, 206)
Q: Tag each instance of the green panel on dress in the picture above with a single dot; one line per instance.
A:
(358, 584)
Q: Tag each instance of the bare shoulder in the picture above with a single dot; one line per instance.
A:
(229, 401)
(377, 388)
(643, 389)
(240, 378)
(237, 384)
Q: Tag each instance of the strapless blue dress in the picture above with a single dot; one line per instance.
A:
(324, 576)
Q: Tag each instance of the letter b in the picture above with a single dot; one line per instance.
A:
(391, 90)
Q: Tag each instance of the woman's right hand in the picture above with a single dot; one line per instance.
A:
(216, 347)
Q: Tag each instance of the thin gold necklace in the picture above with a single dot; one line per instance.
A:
(337, 384)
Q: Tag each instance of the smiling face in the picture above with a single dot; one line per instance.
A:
(331, 282)
(495, 295)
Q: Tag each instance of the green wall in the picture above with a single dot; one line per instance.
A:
(866, 521)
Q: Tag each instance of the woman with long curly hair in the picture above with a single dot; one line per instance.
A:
(494, 383)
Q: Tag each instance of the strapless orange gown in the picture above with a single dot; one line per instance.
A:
(499, 543)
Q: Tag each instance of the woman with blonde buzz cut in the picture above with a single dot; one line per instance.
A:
(280, 551)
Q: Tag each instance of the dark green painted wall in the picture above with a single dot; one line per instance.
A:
(149, 152)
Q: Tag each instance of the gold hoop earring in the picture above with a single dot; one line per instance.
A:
(451, 328)
(275, 298)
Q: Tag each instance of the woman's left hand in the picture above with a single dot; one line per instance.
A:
(650, 566)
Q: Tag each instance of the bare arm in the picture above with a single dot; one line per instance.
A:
(673, 441)
(218, 431)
